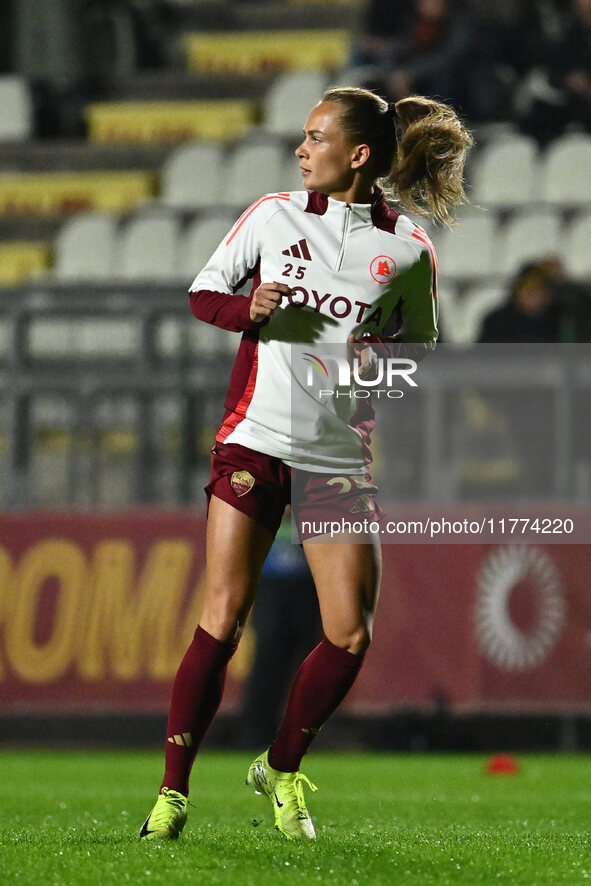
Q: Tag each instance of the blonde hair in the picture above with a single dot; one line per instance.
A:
(423, 168)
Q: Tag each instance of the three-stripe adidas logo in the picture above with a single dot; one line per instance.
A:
(298, 250)
(185, 740)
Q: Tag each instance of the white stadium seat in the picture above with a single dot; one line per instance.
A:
(446, 298)
(85, 248)
(289, 101)
(504, 172)
(16, 108)
(566, 171)
(192, 176)
(255, 168)
(149, 248)
(464, 317)
(529, 235)
(199, 241)
(466, 252)
(577, 253)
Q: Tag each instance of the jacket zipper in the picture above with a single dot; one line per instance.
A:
(346, 223)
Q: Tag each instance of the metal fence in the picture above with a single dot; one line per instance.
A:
(110, 397)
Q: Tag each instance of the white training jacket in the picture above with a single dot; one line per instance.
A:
(352, 268)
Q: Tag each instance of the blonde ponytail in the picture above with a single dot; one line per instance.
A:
(427, 177)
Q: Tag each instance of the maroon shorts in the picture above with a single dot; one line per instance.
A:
(261, 487)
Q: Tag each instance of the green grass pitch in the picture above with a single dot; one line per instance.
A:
(73, 818)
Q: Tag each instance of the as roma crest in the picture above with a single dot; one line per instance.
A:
(241, 482)
(383, 269)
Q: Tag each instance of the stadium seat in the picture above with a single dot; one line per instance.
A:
(577, 253)
(529, 235)
(465, 314)
(566, 171)
(466, 252)
(447, 297)
(85, 248)
(199, 241)
(16, 109)
(254, 169)
(289, 100)
(148, 249)
(504, 173)
(192, 176)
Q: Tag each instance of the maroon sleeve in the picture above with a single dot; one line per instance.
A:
(229, 312)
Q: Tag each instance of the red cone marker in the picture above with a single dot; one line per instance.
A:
(502, 764)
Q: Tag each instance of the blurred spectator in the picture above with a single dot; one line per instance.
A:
(6, 37)
(428, 57)
(511, 39)
(427, 47)
(560, 86)
(71, 51)
(520, 32)
(573, 301)
(530, 314)
(382, 22)
(74, 52)
(154, 24)
(543, 306)
(122, 37)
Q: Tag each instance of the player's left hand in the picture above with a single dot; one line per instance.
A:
(368, 361)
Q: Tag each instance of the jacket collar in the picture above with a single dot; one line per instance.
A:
(381, 215)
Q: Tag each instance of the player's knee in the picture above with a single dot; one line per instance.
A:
(224, 630)
(356, 641)
(223, 619)
(360, 641)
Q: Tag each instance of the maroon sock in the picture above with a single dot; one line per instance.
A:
(318, 688)
(196, 695)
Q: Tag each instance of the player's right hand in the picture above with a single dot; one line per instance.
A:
(367, 360)
(266, 300)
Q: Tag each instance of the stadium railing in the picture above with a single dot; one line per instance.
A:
(111, 396)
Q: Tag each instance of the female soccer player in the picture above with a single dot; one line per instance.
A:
(323, 266)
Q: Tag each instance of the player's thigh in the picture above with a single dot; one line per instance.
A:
(347, 578)
(236, 549)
